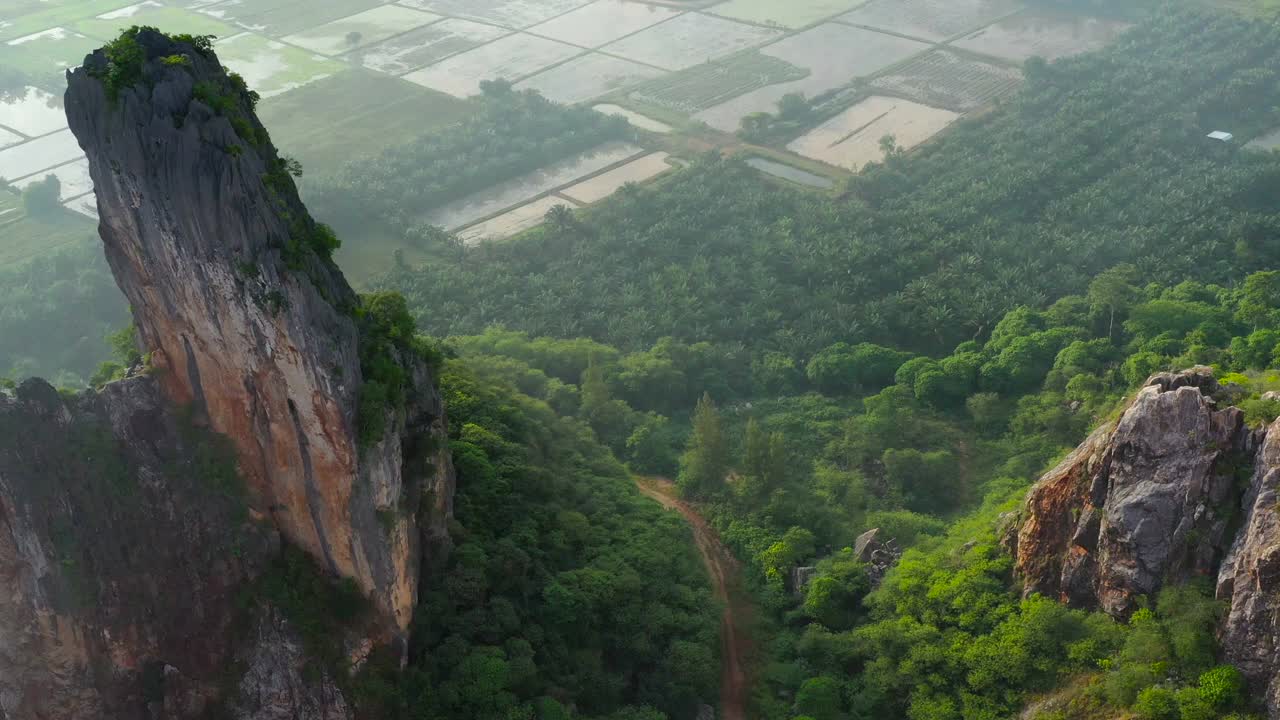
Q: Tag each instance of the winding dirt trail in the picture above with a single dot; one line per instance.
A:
(726, 576)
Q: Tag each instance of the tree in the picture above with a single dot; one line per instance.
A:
(819, 698)
(1258, 299)
(1114, 290)
(705, 462)
(354, 37)
(41, 198)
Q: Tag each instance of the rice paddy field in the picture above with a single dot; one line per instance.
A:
(513, 221)
(513, 58)
(947, 79)
(792, 14)
(852, 139)
(1046, 34)
(342, 79)
(932, 20)
(831, 55)
(489, 202)
(23, 237)
(690, 39)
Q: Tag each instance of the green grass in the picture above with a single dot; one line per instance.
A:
(167, 19)
(792, 14)
(271, 67)
(706, 85)
(54, 14)
(23, 237)
(354, 113)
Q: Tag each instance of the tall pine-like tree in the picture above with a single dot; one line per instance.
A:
(706, 458)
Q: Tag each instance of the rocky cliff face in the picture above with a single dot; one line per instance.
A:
(278, 407)
(1175, 489)
(1142, 501)
(248, 321)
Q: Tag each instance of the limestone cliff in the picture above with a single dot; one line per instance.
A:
(247, 319)
(278, 408)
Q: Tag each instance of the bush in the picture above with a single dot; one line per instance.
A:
(40, 198)
(1222, 687)
(1157, 703)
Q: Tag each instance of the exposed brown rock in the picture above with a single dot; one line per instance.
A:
(207, 238)
(1140, 503)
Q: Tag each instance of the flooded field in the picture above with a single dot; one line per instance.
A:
(272, 67)
(513, 57)
(74, 179)
(607, 183)
(285, 17)
(366, 28)
(1046, 34)
(710, 84)
(690, 39)
(792, 14)
(29, 18)
(852, 138)
(795, 175)
(949, 80)
(9, 138)
(931, 19)
(512, 222)
(421, 47)
(513, 192)
(831, 53)
(514, 14)
(107, 26)
(86, 205)
(39, 154)
(36, 112)
(641, 121)
(588, 77)
(43, 56)
(603, 22)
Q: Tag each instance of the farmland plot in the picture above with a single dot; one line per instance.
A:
(39, 154)
(8, 138)
(43, 56)
(608, 183)
(792, 14)
(603, 22)
(931, 19)
(361, 29)
(710, 84)
(14, 23)
(1045, 34)
(946, 79)
(74, 179)
(426, 45)
(852, 138)
(1265, 143)
(512, 222)
(271, 67)
(795, 175)
(833, 54)
(514, 57)
(514, 14)
(34, 113)
(587, 77)
(641, 121)
(285, 17)
(109, 25)
(86, 205)
(690, 39)
(517, 190)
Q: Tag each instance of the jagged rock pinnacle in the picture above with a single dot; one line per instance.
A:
(248, 321)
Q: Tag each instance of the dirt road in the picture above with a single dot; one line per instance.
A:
(726, 576)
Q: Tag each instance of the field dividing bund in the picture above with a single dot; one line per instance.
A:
(423, 46)
(361, 29)
(793, 14)
(602, 22)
